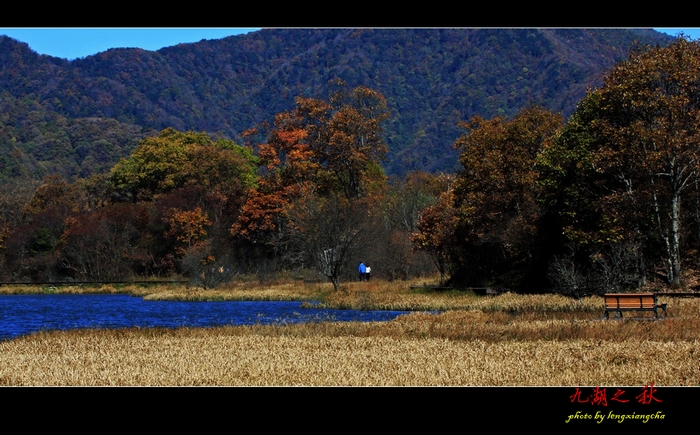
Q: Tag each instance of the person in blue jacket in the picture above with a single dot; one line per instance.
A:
(362, 270)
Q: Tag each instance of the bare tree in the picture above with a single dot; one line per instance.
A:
(567, 275)
(619, 267)
(331, 231)
(103, 245)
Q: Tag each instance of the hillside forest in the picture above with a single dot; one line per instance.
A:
(607, 199)
(78, 118)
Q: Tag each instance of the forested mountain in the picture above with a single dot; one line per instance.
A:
(78, 117)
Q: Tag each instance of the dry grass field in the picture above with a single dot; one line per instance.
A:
(505, 340)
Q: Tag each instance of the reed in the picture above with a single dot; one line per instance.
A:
(464, 339)
(15, 289)
(247, 356)
(237, 290)
(403, 299)
(244, 292)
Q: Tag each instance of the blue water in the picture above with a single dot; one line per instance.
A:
(24, 314)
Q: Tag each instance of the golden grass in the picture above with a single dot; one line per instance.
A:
(514, 340)
(233, 292)
(239, 356)
(14, 289)
(367, 297)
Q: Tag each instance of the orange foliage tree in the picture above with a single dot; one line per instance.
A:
(318, 150)
(435, 231)
(188, 228)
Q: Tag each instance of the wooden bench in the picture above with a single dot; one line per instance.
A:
(620, 302)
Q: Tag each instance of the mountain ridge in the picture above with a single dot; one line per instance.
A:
(432, 79)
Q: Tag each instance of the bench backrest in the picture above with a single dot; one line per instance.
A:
(630, 300)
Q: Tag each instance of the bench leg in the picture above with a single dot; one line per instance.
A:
(618, 314)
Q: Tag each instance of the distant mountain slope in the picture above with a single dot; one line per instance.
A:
(432, 78)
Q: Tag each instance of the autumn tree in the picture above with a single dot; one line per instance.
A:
(31, 246)
(341, 139)
(289, 168)
(188, 232)
(351, 145)
(314, 152)
(599, 232)
(496, 194)
(641, 143)
(650, 114)
(175, 159)
(329, 232)
(188, 228)
(96, 190)
(409, 196)
(435, 232)
(404, 202)
(104, 245)
(183, 175)
(14, 195)
(55, 194)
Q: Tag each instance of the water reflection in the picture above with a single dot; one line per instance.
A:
(24, 314)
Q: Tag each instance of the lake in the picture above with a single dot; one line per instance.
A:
(24, 314)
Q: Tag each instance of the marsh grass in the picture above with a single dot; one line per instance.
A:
(510, 339)
(14, 289)
(280, 292)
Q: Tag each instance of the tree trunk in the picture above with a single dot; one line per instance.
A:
(674, 239)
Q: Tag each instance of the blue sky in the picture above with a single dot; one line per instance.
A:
(692, 32)
(72, 43)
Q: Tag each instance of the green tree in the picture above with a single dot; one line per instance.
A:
(175, 159)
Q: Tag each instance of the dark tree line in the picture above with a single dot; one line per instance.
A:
(604, 201)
